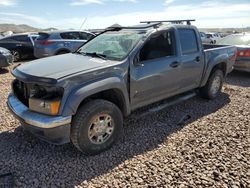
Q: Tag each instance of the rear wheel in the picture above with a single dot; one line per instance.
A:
(16, 55)
(62, 52)
(96, 126)
(213, 85)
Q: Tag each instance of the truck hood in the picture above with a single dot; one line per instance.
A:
(60, 66)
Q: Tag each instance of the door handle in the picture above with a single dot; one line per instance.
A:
(175, 64)
(198, 59)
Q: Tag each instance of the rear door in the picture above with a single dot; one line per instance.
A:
(7, 43)
(71, 40)
(21, 43)
(191, 61)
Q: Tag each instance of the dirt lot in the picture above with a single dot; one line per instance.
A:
(210, 150)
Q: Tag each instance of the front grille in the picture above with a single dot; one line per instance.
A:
(20, 90)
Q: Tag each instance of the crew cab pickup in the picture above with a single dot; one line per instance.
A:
(83, 97)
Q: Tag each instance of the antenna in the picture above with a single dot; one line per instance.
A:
(85, 19)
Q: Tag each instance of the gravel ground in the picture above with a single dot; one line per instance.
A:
(212, 149)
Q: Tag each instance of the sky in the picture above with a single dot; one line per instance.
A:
(65, 14)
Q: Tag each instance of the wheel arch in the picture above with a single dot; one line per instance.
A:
(62, 50)
(219, 63)
(114, 92)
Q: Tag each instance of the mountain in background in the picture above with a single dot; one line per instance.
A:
(21, 28)
(26, 28)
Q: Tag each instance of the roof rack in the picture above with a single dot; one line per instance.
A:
(142, 26)
(170, 21)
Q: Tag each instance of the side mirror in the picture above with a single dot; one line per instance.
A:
(137, 61)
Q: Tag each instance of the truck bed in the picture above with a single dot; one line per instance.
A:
(214, 53)
(213, 46)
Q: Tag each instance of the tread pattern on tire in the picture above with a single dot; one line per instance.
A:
(204, 91)
(83, 112)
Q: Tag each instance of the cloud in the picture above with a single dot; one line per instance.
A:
(15, 17)
(207, 15)
(87, 2)
(213, 15)
(8, 2)
(168, 2)
(132, 1)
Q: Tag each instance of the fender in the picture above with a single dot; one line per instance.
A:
(79, 94)
(223, 58)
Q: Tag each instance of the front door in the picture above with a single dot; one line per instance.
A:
(155, 73)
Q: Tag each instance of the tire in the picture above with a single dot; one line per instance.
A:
(213, 86)
(84, 126)
(62, 52)
(16, 55)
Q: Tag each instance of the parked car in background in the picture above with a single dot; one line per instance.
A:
(205, 39)
(214, 37)
(5, 58)
(60, 42)
(21, 46)
(222, 34)
(242, 42)
(83, 96)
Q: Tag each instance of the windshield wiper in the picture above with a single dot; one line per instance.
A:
(93, 54)
(102, 56)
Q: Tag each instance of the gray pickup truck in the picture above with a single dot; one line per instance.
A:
(83, 97)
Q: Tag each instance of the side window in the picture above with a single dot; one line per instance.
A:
(202, 35)
(34, 38)
(90, 36)
(21, 38)
(85, 36)
(70, 35)
(188, 41)
(159, 45)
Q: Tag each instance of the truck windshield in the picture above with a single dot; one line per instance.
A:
(112, 45)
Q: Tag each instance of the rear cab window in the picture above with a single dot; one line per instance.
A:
(188, 41)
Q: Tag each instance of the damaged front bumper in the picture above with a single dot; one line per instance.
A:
(53, 129)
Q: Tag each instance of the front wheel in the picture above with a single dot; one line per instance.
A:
(213, 86)
(96, 126)
(16, 55)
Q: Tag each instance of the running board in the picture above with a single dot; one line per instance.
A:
(168, 102)
(173, 100)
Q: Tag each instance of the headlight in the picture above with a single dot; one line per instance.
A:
(50, 107)
(46, 100)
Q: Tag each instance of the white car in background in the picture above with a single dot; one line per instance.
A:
(215, 37)
(205, 39)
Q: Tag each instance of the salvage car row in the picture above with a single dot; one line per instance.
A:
(44, 44)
